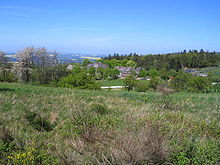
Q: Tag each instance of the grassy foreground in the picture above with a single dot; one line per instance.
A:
(44, 125)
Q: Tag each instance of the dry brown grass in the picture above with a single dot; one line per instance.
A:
(146, 146)
(53, 117)
(5, 135)
(165, 89)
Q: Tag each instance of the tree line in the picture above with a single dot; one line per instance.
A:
(176, 61)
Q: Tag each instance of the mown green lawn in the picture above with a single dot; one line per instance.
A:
(212, 71)
(46, 125)
(117, 82)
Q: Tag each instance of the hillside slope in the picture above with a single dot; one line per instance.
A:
(55, 125)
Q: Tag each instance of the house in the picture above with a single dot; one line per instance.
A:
(97, 65)
(138, 69)
(203, 75)
(70, 67)
(195, 72)
(125, 71)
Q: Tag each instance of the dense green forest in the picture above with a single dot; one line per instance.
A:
(176, 61)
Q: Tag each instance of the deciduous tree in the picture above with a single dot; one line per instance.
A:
(130, 82)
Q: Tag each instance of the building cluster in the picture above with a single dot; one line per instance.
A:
(195, 72)
(124, 71)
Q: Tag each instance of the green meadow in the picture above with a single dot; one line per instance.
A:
(46, 125)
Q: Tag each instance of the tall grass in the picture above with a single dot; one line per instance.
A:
(63, 126)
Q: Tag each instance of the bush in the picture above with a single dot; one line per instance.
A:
(215, 78)
(38, 122)
(164, 74)
(194, 152)
(141, 86)
(145, 146)
(130, 82)
(80, 80)
(7, 143)
(165, 89)
(49, 74)
(5, 135)
(114, 73)
(143, 73)
(154, 73)
(180, 82)
(99, 108)
(188, 82)
(84, 122)
(7, 76)
(154, 82)
(31, 155)
(215, 88)
(199, 84)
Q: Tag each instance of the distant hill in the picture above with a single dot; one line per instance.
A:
(66, 58)
(78, 58)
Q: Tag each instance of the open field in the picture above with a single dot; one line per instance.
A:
(56, 125)
(117, 82)
(212, 71)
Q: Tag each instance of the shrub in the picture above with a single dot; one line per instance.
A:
(130, 82)
(165, 89)
(7, 76)
(91, 71)
(114, 73)
(106, 73)
(7, 143)
(98, 76)
(99, 108)
(99, 73)
(31, 155)
(199, 84)
(80, 80)
(197, 152)
(143, 73)
(154, 82)
(172, 73)
(83, 119)
(49, 74)
(5, 135)
(215, 78)
(145, 146)
(215, 88)
(141, 86)
(95, 117)
(154, 73)
(180, 82)
(164, 74)
(38, 122)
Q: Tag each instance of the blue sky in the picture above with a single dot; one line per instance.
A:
(108, 26)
